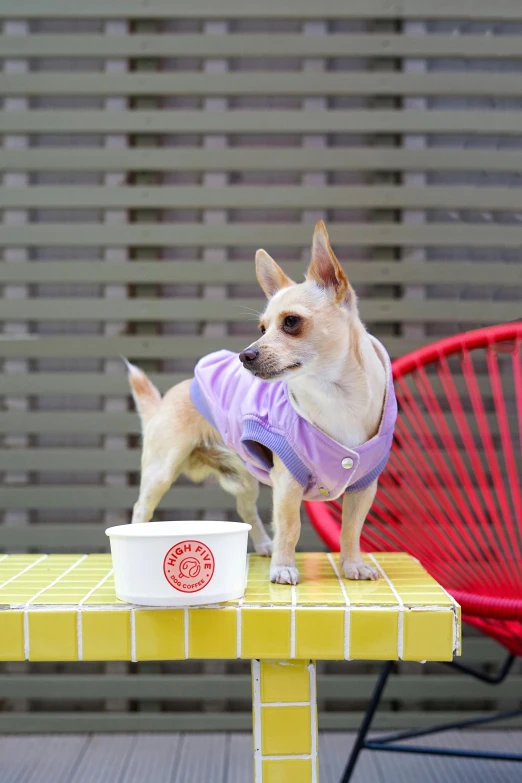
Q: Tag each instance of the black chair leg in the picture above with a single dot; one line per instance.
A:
(367, 722)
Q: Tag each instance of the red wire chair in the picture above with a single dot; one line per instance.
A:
(451, 492)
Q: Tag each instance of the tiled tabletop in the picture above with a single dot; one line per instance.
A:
(63, 607)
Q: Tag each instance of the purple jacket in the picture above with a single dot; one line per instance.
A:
(247, 411)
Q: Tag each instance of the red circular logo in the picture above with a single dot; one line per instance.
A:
(189, 566)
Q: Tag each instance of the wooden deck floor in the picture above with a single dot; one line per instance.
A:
(226, 758)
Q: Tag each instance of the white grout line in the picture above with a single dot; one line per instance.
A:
(453, 600)
(306, 756)
(292, 621)
(285, 704)
(186, 631)
(96, 587)
(35, 608)
(39, 593)
(26, 636)
(456, 635)
(239, 616)
(256, 707)
(346, 611)
(79, 634)
(79, 620)
(400, 637)
(239, 628)
(133, 633)
(58, 579)
(313, 717)
(28, 568)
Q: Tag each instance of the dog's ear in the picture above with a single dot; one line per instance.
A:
(270, 276)
(325, 269)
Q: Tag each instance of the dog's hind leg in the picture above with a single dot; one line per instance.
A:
(246, 502)
(157, 476)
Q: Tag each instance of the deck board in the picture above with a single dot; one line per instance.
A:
(226, 758)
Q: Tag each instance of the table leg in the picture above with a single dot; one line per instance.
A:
(284, 707)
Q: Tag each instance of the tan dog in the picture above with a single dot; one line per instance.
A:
(313, 338)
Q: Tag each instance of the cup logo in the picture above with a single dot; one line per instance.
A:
(189, 566)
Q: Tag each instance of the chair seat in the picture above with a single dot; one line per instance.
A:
(489, 606)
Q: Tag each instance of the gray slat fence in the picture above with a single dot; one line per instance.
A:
(148, 149)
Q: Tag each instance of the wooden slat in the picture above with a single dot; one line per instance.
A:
(273, 159)
(145, 347)
(108, 498)
(195, 687)
(256, 234)
(173, 347)
(453, 83)
(270, 9)
(77, 422)
(87, 460)
(91, 722)
(83, 383)
(67, 460)
(85, 537)
(488, 273)
(261, 45)
(258, 122)
(98, 383)
(376, 310)
(89, 422)
(79, 537)
(266, 197)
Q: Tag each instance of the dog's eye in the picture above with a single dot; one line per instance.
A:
(291, 322)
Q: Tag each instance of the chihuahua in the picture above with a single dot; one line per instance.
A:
(308, 408)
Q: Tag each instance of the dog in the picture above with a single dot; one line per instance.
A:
(308, 408)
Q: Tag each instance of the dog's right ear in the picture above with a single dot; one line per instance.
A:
(325, 269)
(270, 276)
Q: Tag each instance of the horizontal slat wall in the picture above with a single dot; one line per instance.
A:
(428, 691)
(146, 154)
(192, 690)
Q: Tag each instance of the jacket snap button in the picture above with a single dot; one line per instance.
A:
(347, 463)
(323, 491)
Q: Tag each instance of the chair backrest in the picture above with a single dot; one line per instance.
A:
(451, 492)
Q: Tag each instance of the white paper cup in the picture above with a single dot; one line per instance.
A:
(179, 563)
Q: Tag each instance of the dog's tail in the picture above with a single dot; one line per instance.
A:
(146, 397)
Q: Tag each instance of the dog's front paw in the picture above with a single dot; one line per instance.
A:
(359, 570)
(264, 547)
(284, 575)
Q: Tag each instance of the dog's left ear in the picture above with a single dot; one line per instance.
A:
(325, 269)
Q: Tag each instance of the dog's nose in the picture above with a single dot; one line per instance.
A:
(248, 356)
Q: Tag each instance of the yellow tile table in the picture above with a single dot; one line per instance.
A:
(63, 608)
